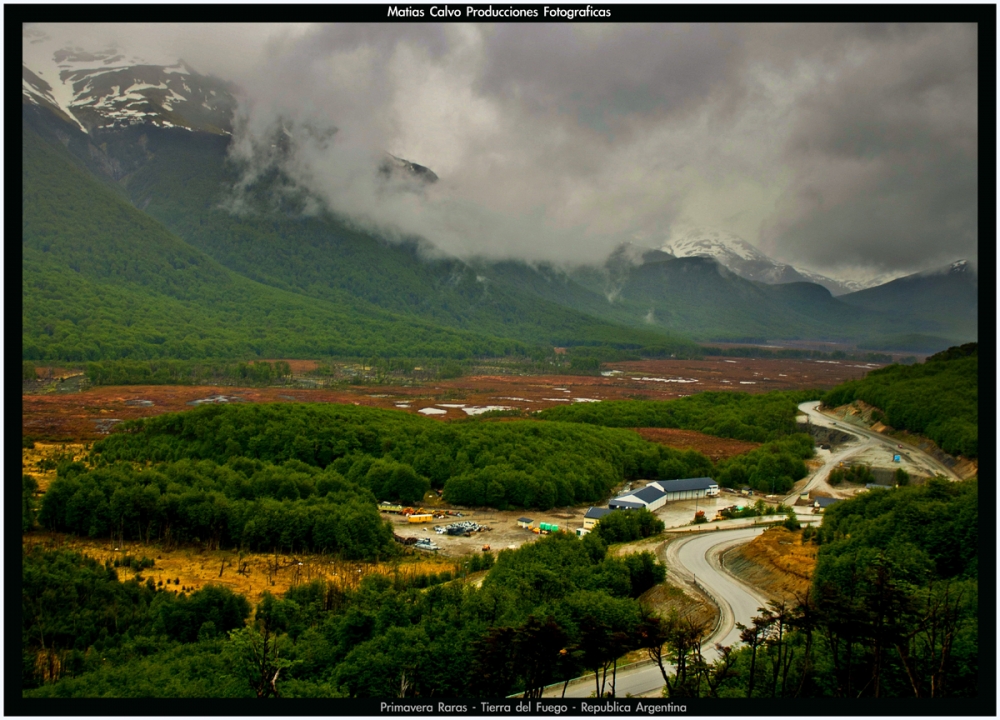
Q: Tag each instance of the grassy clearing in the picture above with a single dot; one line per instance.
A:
(41, 460)
(187, 569)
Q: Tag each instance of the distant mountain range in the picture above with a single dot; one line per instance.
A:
(738, 255)
(136, 150)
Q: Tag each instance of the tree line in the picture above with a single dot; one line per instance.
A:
(186, 372)
(741, 416)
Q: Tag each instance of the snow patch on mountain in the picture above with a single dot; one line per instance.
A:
(853, 280)
(741, 257)
(719, 244)
(104, 89)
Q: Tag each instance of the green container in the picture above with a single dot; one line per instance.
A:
(554, 528)
(544, 526)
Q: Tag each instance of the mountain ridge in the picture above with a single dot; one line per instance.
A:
(175, 169)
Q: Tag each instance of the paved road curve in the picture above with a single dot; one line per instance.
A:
(695, 557)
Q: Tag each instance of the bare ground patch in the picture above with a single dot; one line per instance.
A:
(776, 562)
(715, 448)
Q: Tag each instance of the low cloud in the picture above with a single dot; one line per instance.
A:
(827, 146)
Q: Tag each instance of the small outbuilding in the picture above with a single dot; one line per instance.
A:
(524, 522)
(822, 503)
(592, 516)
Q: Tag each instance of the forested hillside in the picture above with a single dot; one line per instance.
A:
(101, 280)
(938, 398)
(947, 300)
(897, 591)
(697, 296)
(272, 232)
(185, 181)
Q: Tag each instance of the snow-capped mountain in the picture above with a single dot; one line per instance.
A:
(739, 256)
(724, 246)
(106, 89)
(864, 279)
(742, 258)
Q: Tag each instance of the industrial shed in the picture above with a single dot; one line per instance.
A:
(524, 522)
(626, 502)
(686, 489)
(657, 494)
(650, 497)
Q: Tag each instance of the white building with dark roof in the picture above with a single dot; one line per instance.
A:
(649, 497)
(658, 493)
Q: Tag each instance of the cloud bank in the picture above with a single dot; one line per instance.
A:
(827, 146)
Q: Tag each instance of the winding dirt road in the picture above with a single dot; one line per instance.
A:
(866, 440)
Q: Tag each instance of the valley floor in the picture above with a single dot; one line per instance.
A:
(56, 412)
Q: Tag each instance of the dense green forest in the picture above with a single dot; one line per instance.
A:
(757, 418)
(78, 615)
(772, 468)
(550, 611)
(292, 507)
(189, 279)
(898, 575)
(521, 463)
(938, 398)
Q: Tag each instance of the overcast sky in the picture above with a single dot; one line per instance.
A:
(830, 147)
